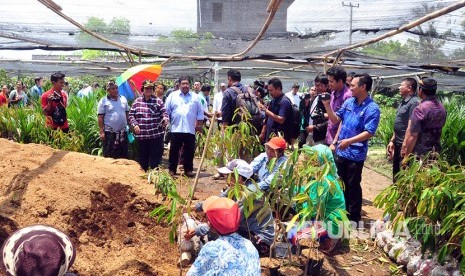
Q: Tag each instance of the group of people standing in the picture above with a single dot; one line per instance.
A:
(338, 112)
(337, 118)
(148, 118)
(20, 96)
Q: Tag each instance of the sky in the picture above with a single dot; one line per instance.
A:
(148, 17)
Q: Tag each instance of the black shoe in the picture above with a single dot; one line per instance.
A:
(189, 174)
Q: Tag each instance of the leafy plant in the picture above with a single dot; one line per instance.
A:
(289, 192)
(162, 181)
(427, 197)
(385, 127)
(82, 117)
(170, 213)
(236, 141)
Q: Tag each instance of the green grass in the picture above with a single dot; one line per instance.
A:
(377, 160)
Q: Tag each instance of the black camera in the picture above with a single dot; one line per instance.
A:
(56, 97)
(325, 96)
(260, 87)
(305, 96)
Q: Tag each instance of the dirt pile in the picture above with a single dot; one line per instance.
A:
(102, 204)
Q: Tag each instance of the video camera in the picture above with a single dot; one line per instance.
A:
(260, 87)
(325, 96)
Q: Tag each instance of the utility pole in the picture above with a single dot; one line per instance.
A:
(351, 9)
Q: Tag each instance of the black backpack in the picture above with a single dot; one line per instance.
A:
(59, 115)
(291, 126)
(246, 102)
(295, 120)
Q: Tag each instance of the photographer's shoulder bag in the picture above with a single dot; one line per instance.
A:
(59, 115)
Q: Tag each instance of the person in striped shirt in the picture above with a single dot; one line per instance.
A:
(148, 119)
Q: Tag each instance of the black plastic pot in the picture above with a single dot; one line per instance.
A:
(314, 266)
(274, 271)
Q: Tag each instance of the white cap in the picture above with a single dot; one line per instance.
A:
(243, 168)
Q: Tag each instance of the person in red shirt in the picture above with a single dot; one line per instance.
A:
(54, 103)
(4, 96)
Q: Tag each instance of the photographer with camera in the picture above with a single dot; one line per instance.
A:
(54, 103)
(359, 117)
(261, 92)
(318, 119)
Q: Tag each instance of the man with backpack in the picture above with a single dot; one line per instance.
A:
(238, 100)
(279, 113)
(54, 103)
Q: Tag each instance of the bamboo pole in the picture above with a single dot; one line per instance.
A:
(196, 180)
(166, 61)
(274, 8)
(426, 18)
(287, 69)
(271, 5)
(125, 59)
(13, 36)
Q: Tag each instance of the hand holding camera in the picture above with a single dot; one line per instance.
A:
(55, 97)
(325, 96)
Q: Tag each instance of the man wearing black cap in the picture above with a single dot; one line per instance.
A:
(423, 134)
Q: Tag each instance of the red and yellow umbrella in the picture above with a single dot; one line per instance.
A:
(133, 77)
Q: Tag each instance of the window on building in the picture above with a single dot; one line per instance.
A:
(217, 15)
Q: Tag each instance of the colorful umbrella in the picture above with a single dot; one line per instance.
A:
(133, 77)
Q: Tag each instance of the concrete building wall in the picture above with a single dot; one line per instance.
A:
(239, 16)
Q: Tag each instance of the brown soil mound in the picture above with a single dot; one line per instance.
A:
(102, 204)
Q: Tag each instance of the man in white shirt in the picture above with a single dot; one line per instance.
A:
(217, 102)
(294, 95)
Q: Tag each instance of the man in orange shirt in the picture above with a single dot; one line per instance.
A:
(54, 103)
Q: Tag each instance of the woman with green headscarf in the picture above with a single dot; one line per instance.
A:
(328, 210)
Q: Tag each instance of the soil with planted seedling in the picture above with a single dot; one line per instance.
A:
(104, 205)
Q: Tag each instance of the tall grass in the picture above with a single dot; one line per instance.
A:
(453, 132)
(386, 126)
(27, 125)
(82, 118)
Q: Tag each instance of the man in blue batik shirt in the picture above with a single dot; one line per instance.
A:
(230, 254)
(273, 149)
(360, 117)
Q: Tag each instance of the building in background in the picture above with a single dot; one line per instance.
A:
(239, 17)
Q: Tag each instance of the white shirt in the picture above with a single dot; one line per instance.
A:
(217, 102)
(184, 110)
(295, 99)
(85, 92)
